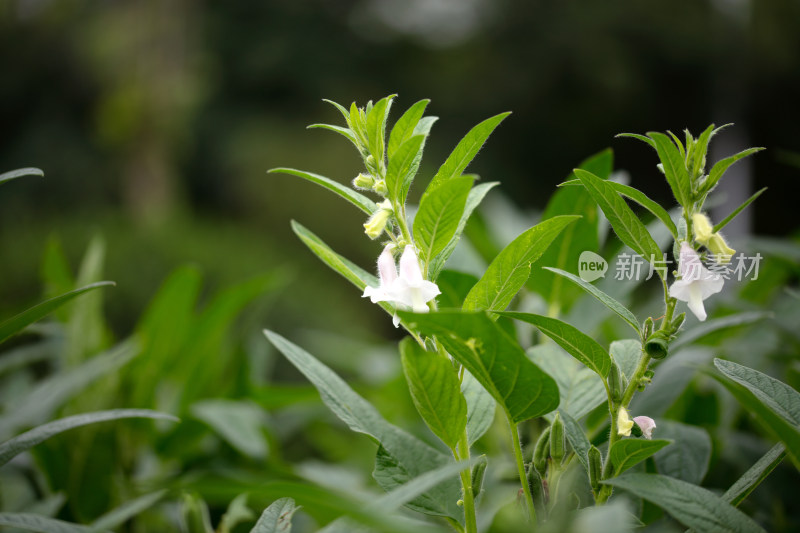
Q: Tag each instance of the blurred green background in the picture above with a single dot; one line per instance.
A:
(155, 122)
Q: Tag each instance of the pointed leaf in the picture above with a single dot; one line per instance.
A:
(509, 271)
(345, 132)
(604, 298)
(29, 439)
(436, 391)
(277, 518)
(776, 395)
(626, 224)
(118, 516)
(721, 166)
(355, 198)
(404, 127)
(18, 173)
(579, 345)
(674, 167)
(376, 127)
(42, 524)
(19, 322)
(577, 439)
(438, 216)
(581, 390)
(239, 423)
(466, 150)
(736, 211)
(755, 475)
(691, 505)
(642, 138)
(626, 453)
(493, 358)
(688, 457)
(403, 166)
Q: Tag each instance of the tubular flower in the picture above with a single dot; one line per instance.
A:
(696, 283)
(704, 234)
(624, 423)
(646, 424)
(387, 273)
(377, 222)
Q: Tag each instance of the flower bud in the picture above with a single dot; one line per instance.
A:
(371, 164)
(676, 323)
(657, 344)
(377, 222)
(720, 249)
(542, 451)
(557, 440)
(624, 423)
(702, 228)
(595, 467)
(478, 471)
(648, 327)
(536, 487)
(380, 187)
(616, 382)
(363, 181)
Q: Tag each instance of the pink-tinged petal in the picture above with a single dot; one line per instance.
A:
(409, 267)
(646, 424)
(687, 259)
(387, 270)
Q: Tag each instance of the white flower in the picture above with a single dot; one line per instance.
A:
(409, 290)
(696, 283)
(646, 424)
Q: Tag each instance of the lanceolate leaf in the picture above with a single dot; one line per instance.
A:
(466, 150)
(604, 298)
(691, 505)
(345, 132)
(626, 224)
(413, 456)
(8, 176)
(642, 138)
(42, 524)
(509, 271)
(476, 195)
(579, 345)
(404, 127)
(376, 127)
(277, 518)
(436, 391)
(355, 198)
(688, 337)
(403, 167)
(494, 359)
(776, 395)
(29, 439)
(674, 167)
(719, 169)
(19, 322)
(755, 475)
(118, 516)
(438, 216)
(724, 222)
(626, 453)
(577, 439)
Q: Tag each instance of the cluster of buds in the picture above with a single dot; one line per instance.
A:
(366, 182)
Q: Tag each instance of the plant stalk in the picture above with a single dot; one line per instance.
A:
(521, 469)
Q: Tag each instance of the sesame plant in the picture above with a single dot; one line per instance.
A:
(577, 439)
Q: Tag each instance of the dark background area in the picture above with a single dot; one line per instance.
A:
(155, 122)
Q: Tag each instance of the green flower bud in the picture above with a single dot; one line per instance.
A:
(616, 382)
(676, 324)
(478, 471)
(380, 187)
(542, 451)
(363, 181)
(371, 164)
(657, 344)
(595, 467)
(557, 440)
(636, 431)
(377, 222)
(536, 487)
(648, 327)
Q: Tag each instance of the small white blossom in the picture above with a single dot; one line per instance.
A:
(387, 273)
(646, 424)
(696, 283)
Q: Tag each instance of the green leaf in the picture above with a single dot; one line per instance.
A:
(689, 504)
(29, 439)
(604, 298)
(626, 353)
(19, 322)
(579, 345)
(721, 166)
(736, 211)
(581, 236)
(674, 168)
(41, 524)
(404, 127)
(345, 132)
(577, 439)
(580, 389)
(627, 453)
(466, 150)
(454, 286)
(480, 408)
(755, 475)
(376, 127)
(439, 213)
(118, 516)
(690, 336)
(345, 113)
(8, 176)
(773, 406)
(494, 359)
(355, 198)
(626, 224)
(38, 404)
(277, 518)
(701, 148)
(403, 166)
(236, 513)
(412, 455)
(687, 459)
(776, 395)
(435, 388)
(642, 138)
(509, 271)
(476, 195)
(239, 423)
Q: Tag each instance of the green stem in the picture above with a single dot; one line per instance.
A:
(521, 469)
(462, 454)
